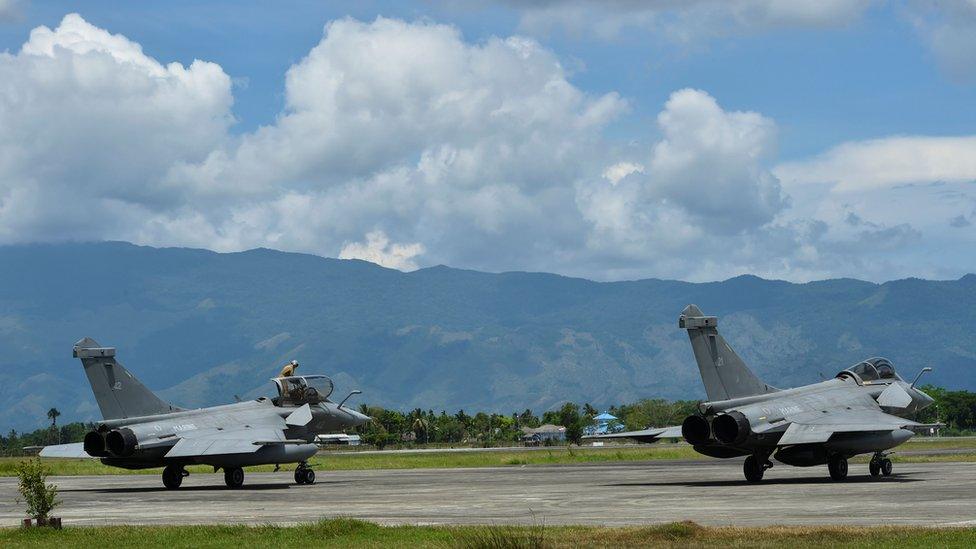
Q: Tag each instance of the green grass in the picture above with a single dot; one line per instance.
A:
(355, 533)
(337, 460)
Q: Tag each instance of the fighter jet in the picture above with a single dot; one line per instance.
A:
(862, 410)
(139, 430)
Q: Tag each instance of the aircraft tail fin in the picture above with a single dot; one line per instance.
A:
(723, 373)
(118, 393)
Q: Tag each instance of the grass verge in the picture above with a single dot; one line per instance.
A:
(355, 533)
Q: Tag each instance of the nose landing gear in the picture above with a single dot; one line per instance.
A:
(304, 474)
(880, 465)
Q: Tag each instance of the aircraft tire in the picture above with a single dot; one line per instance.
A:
(874, 468)
(299, 476)
(172, 477)
(753, 469)
(886, 467)
(837, 466)
(309, 476)
(234, 477)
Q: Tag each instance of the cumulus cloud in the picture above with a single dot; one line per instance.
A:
(88, 127)
(705, 177)
(378, 249)
(407, 145)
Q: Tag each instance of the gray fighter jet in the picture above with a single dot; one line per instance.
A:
(862, 410)
(141, 431)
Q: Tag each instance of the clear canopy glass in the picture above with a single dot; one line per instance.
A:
(298, 390)
(874, 369)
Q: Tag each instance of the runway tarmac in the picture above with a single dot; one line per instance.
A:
(708, 492)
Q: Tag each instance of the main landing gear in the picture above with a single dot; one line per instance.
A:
(234, 477)
(755, 466)
(837, 466)
(880, 465)
(173, 476)
(304, 474)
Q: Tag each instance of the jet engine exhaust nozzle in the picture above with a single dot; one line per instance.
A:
(731, 428)
(94, 444)
(121, 442)
(695, 430)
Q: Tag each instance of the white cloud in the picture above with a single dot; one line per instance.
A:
(620, 170)
(89, 124)
(886, 162)
(404, 144)
(378, 249)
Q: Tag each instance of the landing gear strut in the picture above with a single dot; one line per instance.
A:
(880, 465)
(173, 476)
(754, 467)
(234, 477)
(304, 474)
(837, 466)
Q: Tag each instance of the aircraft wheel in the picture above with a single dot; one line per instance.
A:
(753, 469)
(172, 476)
(837, 467)
(309, 476)
(234, 477)
(299, 476)
(875, 468)
(886, 467)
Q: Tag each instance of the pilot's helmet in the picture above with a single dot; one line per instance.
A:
(294, 363)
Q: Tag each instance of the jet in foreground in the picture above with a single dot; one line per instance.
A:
(141, 431)
(862, 410)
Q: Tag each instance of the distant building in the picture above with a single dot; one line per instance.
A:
(603, 424)
(341, 438)
(543, 433)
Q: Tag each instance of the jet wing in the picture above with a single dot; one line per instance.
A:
(73, 450)
(810, 428)
(645, 435)
(211, 442)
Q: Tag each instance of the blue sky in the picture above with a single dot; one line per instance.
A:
(758, 136)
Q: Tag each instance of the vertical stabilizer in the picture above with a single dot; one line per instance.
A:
(118, 393)
(723, 373)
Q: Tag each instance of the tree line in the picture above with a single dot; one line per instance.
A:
(956, 409)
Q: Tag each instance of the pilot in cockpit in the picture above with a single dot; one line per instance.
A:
(886, 371)
(289, 369)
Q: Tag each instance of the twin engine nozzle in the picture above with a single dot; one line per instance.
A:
(117, 443)
(729, 428)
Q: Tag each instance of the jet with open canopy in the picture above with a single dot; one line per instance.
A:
(141, 431)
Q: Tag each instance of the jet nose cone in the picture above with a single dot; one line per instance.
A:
(924, 400)
(357, 418)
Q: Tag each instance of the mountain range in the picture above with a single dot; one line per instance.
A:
(202, 328)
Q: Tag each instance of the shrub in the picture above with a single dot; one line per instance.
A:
(41, 498)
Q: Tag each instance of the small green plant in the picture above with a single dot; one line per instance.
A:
(41, 498)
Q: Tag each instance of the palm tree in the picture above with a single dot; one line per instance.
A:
(53, 414)
(421, 424)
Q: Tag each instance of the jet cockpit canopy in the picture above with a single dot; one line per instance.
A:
(873, 369)
(299, 390)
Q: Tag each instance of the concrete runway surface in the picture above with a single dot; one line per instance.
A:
(708, 492)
